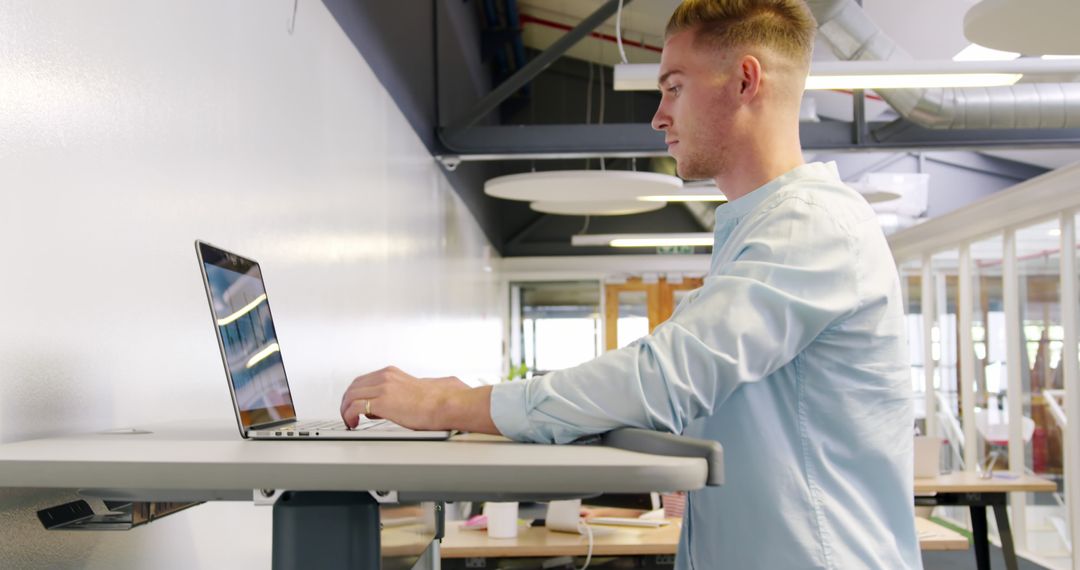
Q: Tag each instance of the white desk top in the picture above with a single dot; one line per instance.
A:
(209, 459)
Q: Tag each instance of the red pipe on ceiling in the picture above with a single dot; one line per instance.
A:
(528, 19)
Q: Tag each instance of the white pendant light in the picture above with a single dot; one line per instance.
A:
(601, 208)
(1025, 26)
(581, 185)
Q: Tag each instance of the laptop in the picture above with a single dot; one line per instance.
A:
(252, 356)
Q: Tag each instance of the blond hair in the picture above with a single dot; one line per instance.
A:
(784, 26)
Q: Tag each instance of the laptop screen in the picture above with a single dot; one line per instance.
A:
(248, 340)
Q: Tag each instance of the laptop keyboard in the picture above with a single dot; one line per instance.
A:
(338, 425)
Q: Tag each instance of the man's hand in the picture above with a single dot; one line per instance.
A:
(420, 404)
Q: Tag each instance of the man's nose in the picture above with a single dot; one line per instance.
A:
(660, 120)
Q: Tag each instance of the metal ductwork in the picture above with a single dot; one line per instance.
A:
(853, 36)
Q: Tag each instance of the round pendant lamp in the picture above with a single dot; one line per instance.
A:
(1030, 27)
(602, 208)
(581, 186)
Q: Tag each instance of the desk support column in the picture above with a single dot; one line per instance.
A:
(1005, 533)
(978, 534)
(326, 530)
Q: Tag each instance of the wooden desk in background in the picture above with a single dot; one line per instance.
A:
(651, 547)
(968, 489)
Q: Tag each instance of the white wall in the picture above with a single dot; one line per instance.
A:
(130, 128)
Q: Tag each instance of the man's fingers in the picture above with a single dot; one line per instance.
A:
(366, 387)
(359, 390)
(351, 416)
(353, 404)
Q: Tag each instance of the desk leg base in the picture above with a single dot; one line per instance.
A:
(1005, 532)
(326, 530)
(978, 533)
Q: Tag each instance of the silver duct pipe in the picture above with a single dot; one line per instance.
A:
(853, 36)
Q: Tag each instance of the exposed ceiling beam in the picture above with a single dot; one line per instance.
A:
(530, 70)
(538, 142)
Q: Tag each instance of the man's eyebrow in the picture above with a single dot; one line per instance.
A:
(665, 76)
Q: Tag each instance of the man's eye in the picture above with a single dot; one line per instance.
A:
(674, 89)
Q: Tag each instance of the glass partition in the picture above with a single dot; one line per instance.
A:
(557, 325)
(911, 289)
(945, 354)
(1038, 260)
(1041, 335)
(988, 339)
(633, 316)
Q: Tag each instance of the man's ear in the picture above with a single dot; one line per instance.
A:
(750, 77)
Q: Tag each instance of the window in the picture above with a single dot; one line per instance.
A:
(554, 325)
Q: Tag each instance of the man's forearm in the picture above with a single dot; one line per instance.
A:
(469, 410)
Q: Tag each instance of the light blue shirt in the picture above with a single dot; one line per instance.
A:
(792, 355)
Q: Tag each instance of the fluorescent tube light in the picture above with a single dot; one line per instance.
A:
(243, 311)
(900, 74)
(685, 198)
(660, 242)
(263, 354)
(644, 240)
(911, 81)
(698, 191)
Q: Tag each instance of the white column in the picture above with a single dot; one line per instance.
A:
(929, 312)
(1069, 315)
(1013, 348)
(966, 377)
(512, 331)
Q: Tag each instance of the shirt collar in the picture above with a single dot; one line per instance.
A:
(745, 204)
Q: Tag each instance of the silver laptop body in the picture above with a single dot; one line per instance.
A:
(252, 356)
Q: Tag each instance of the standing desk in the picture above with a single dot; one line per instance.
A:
(968, 489)
(326, 495)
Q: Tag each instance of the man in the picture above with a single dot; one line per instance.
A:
(791, 355)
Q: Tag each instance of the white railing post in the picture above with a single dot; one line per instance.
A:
(966, 376)
(929, 312)
(1014, 363)
(1069, 361)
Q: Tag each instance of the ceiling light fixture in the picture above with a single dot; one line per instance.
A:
(888, 74)
(701, 239)
(599, 208)
(685, 198)
(910, 81)
(581, 185)
(690, 192)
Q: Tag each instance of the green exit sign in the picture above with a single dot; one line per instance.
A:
(675, 250)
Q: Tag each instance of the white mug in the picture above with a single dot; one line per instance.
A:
(502, 519)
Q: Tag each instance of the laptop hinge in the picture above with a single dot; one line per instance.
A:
(270, 425)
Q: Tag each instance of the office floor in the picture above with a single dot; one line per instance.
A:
(965, 560)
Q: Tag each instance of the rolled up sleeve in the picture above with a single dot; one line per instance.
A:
(791, 277)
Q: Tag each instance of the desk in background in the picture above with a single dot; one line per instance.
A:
(645, 548)
(968, 489)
